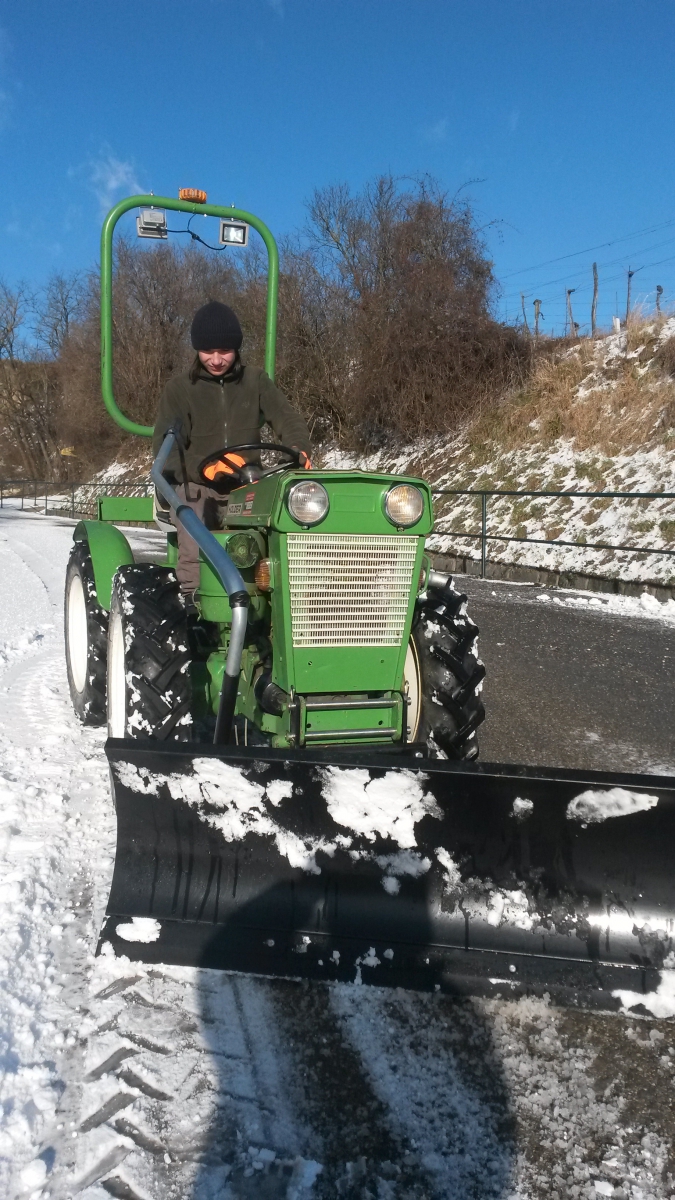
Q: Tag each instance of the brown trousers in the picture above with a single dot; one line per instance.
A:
(206, 503)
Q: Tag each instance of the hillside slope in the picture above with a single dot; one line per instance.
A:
(599, 418)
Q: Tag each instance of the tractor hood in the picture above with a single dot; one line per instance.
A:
(356, 503)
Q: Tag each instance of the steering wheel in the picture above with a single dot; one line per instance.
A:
(250, 472)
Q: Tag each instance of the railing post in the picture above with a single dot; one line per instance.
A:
(2, 498)
(23, 488)
(35, 494)
(46, 490)
(72, 501)
(483, 533)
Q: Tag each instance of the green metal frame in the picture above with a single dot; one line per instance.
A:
(125, 508)
(109, 549)
(211, 210)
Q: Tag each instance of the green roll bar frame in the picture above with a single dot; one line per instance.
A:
(211, 210)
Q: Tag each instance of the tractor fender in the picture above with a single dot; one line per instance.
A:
(109, 549)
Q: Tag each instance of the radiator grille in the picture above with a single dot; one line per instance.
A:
(349, 590)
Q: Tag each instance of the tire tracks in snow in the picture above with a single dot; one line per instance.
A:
(181, 1092)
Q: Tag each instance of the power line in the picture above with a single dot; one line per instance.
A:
(590, 249)
(581, 275)
(567, 278)
(556, 298)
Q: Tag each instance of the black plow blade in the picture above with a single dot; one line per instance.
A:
(396, 871)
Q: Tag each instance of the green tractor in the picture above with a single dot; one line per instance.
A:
(293, 765)
(347, 637)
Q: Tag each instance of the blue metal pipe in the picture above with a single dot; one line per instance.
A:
(229, 577)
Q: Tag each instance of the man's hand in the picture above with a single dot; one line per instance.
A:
(304, 459)
(229, 465)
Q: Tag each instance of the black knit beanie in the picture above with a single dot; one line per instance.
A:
(216, 327)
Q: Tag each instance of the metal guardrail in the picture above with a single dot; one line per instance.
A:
(37, 493)
(486, 537)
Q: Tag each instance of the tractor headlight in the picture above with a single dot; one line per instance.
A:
(308, 502)
(404, 505)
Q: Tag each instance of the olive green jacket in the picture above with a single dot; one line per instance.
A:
(226, 411)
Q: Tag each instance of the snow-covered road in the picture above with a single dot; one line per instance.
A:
(167, 1082)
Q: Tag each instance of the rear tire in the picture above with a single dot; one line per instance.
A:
(443, 676)
(149, 687)
(86, 631)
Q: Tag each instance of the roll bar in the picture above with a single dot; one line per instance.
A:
(211, 210)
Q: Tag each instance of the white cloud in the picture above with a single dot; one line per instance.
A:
(514, 118)
(110, 178)
(277, 6)
(436, 132)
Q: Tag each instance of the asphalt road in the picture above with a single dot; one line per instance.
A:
(571, 688)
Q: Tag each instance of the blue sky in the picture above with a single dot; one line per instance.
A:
(563, 113)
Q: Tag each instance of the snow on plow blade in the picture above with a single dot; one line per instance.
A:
(394, 870)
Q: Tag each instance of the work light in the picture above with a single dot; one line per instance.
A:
(233, 233)
(308, 502)
(404, 505)
(151, 223)
(243, 550)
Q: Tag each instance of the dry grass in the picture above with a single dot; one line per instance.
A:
(664, 358)
(618, 408)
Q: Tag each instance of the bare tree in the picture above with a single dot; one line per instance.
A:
(387, 326)
(423, 343)
(14, 308)
(60, 304)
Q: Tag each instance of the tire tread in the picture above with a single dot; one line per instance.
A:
(157, 660)
(446, 640)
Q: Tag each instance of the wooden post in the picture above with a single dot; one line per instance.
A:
(522, 304)
(537, 314)
(594, 305)
(628, 292)
(659, 293)
(570, 318)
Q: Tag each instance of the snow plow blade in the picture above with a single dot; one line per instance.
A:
(394, 870)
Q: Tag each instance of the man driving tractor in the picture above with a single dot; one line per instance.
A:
(220, 402)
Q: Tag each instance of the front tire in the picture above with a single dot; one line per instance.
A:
(86, 631)
(443, 676)
(149, 687)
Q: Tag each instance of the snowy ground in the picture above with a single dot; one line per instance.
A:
(167, 1082)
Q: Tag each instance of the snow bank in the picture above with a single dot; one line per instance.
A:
(660, 1003)
(592, 806)
(389, 806)
(645, 605)
(139, 929)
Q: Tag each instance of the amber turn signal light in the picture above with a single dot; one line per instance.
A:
(263, 575)
(195, 195)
